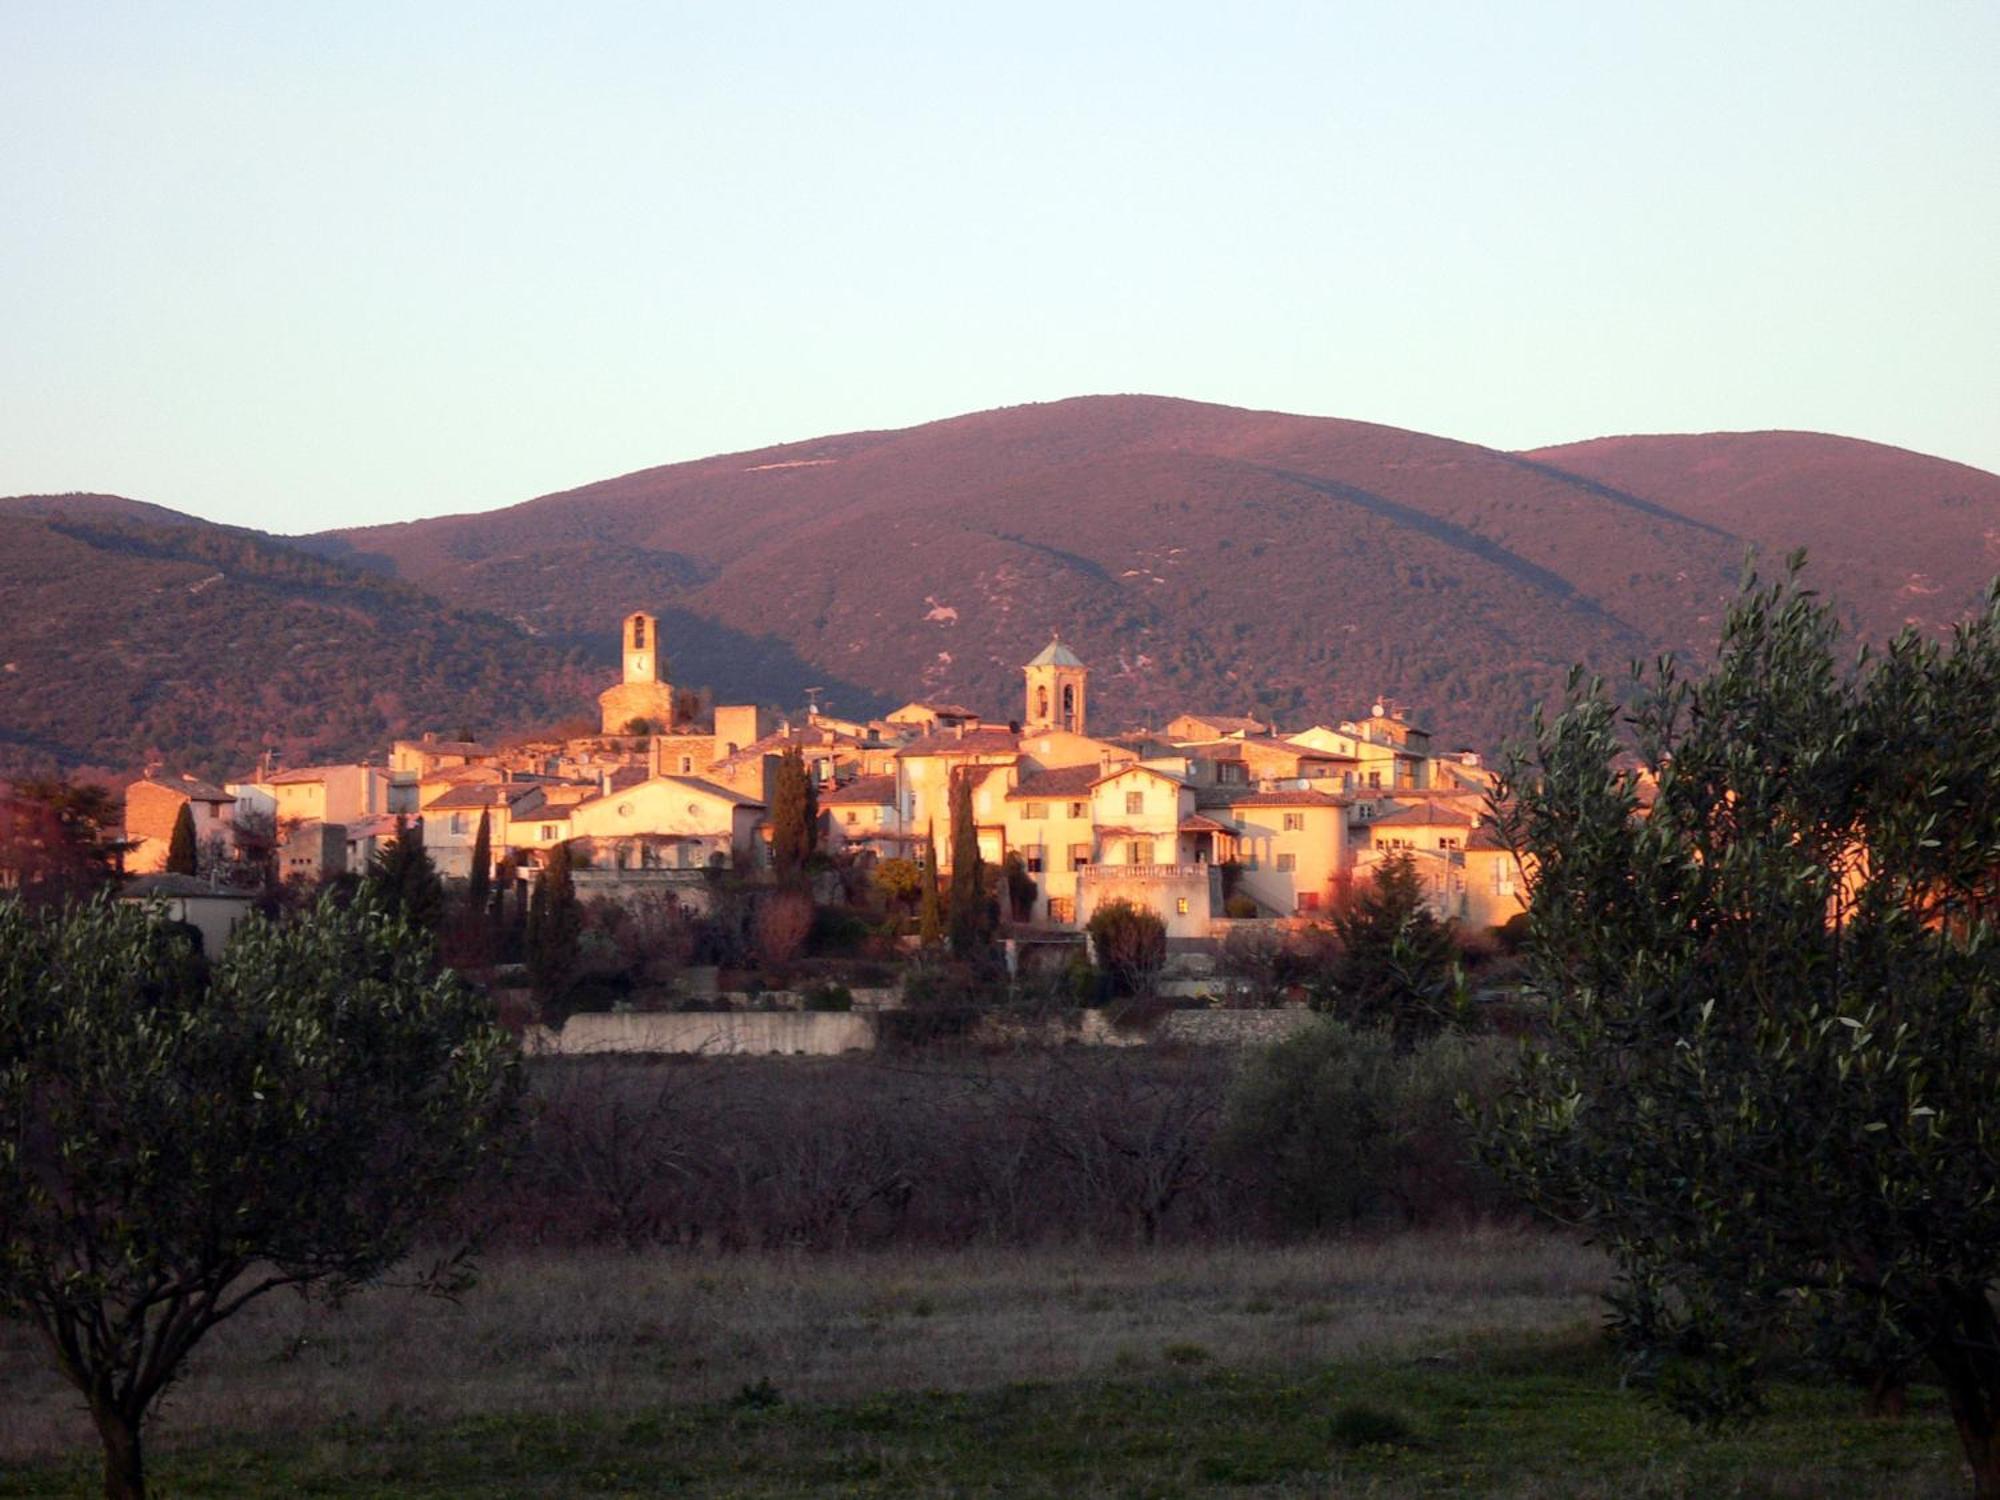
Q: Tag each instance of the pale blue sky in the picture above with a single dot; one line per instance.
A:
(300, 267)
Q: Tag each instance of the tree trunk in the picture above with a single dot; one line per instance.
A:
(1967, 1358)
(124, 1469)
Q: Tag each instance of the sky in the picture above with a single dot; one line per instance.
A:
(298, 267)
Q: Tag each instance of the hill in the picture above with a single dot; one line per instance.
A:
(1899, 537)
(132, 633)
(1197, 555)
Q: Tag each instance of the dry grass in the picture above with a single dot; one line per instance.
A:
(596, 1332)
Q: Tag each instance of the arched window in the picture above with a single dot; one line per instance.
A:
(1042, 703)
(1069, 707)
(638, 632)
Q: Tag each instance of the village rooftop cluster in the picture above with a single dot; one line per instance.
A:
(1211, 820)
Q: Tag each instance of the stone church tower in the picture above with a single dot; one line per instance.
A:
(645, 693)
(1056, 683)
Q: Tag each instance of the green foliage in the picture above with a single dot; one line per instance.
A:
(177, 1139)
(930, 912)
(900, 881)
(1338, 1126)
(480, 879)
(1774, 1058)
(1397, 965)
(1130, 944)
(968, 917)
(402, 878)
(554, 945)
(794, 817)
(60, 838)
(1021, 887)
(330, 657)
(182, 856)
(828, 995)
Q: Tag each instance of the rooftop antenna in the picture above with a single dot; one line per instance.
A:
(812, 701)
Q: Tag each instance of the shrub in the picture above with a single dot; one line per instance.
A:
(1130, 942)
(828, 995)
(1336, 1126)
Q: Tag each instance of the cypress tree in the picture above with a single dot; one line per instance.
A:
(930, 908)
(481, 878)
(967, 911)
(792, 817)
(555, 927)
(404, 877)
(181, 856)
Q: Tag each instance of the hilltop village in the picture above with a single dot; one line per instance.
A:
(1212, 820)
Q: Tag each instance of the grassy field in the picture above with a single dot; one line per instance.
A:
(1415, 1365)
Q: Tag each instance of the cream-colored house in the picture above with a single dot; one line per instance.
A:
(423, 757)
(924, 770)
(668, 822)
(1288, 845)
(861, 814)
(1048, 822)
(328, 794)
(152, 807)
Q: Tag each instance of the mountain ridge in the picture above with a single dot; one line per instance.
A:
(1198, 556)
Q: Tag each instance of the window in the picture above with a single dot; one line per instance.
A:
(852, 817)
(1062, 909)
(1034, 812)
(1135, 802)
(1079, 856)
(638, 632)
(1139, 852)
(1447, 843)
(1034, 861)
(548, 832)
(687, 765)
(1180, 906)
(1295, 822)
(1231, 773)
(1288, 861)
(1374, 779)
(1079, 809)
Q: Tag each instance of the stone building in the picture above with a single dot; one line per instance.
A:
(645, 697)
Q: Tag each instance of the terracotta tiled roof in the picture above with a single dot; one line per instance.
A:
(1424, 815)
(444, 747)
(481, 794)
(1486, 836)
(180, 885)
(1227, 723)
(1236, 796)
(865, 791)
(191, 787)
(983, 740)
(1055, 786)
(1199, 823)
(294, 775)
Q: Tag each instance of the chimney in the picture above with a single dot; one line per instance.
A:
(958, 729)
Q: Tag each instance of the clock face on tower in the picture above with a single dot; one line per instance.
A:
(639, 665)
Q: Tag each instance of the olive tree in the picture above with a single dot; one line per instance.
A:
(1762, 913)
(179, 1137)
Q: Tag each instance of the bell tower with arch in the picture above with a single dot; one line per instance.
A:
(642, 648)
(1057, 681)
(644, 695)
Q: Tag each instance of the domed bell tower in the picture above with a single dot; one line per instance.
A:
(1057, 682)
